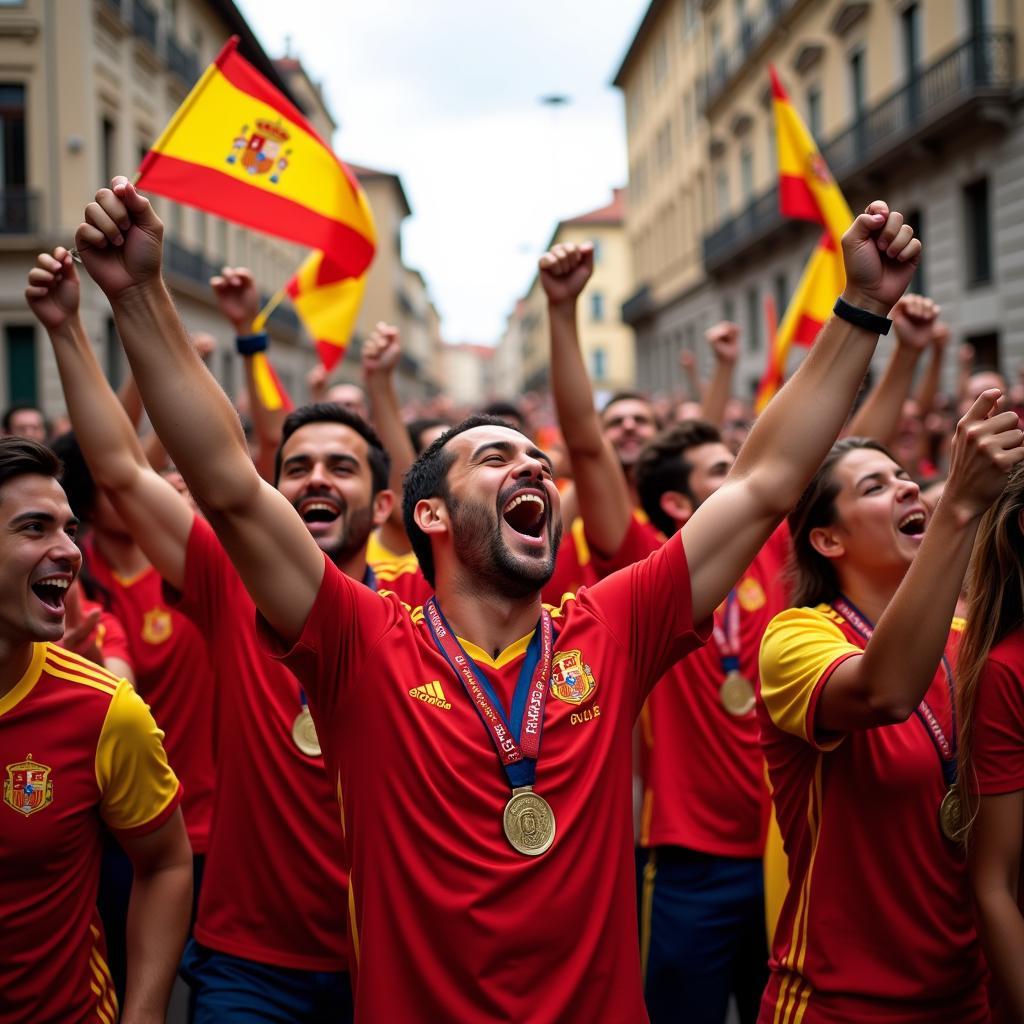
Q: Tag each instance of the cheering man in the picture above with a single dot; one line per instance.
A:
(494, 815)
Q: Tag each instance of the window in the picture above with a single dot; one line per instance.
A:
(201, 228)
(915, 219)
(747, 173)
(596, 306)
(663, 145)
(598, 251)
(222, 240)
(986, 349)
(717, 53)
(175, 221)
(910, 28)
(978, 233)
(22, 378)
(857, 86)
(598, 364)
(687, 117)
(781, 289)
(660, 60)
(722, 193)
(729, 309)
(115, 355)
(14, 206)
(813, 111)
(108, 151)
(753, 319)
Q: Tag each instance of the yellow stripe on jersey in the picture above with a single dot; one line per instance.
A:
(103, 986)
(579, 539)
(136, 782)
(646, 813)
(23, 687)
(353, 926)
(647, 912)
(75, 664)
(73, 677)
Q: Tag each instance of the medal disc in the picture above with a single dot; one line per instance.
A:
(529, 823)
(951, 815)
(304, 734)
(737, 695)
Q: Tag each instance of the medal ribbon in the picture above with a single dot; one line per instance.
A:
(516, 739)
(943, 747)
(727, 634)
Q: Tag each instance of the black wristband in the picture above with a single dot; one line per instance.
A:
(250, 344)
(861, 317)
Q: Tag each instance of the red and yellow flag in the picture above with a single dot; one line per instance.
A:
(240, 149)
(807, 190)
(271, 393)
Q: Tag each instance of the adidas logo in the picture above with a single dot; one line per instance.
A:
(432, 694)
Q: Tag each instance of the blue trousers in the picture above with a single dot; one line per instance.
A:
(702, 935)
(229, 990)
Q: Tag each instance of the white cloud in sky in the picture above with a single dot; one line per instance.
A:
(445, 93)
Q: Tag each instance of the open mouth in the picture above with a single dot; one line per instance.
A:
(51, 592)
(318, 511)
(912, 524)
(526, 514)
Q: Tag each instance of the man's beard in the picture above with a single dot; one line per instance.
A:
(354, 535)
(480, 547)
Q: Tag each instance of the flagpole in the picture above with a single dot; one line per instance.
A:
(260, 320)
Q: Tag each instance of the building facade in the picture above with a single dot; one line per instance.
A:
(606, 342)
(915, 102)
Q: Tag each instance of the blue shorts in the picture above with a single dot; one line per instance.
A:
(702, 935)
(229, 990)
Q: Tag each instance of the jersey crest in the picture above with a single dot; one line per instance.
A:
(751, 595)
(28, 787)
(571, 679)
(157, 626)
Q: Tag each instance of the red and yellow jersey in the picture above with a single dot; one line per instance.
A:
(274, 887)
(172, 672)
(701, 767)
(110, 635)
(876, 923)
(481, 931)
(79, 750)
(573, 568)
(999, 719)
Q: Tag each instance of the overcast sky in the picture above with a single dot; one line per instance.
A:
(445, 93)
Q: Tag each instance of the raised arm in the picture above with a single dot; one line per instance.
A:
(879, 416)
(280, 563)
(239, 302)
(887, 683)
(795, 432)
(724, 341)
(381, 352)
(688, 364)
(600, 485)
(931, 379)
(155, 514)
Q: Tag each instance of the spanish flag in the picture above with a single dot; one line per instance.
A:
(328, 302)
(807, 190)
(241, 150)
(271, 392)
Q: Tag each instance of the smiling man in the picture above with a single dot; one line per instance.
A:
(78, 751)
(496, 815)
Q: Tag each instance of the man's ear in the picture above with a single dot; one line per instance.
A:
(827, 542)
(677, 506)
(383, 506)
(431, 515)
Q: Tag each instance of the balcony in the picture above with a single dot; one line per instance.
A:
(727, 64)
(144, 22)
(183, 62)
(638, 306)
(974, 77)
(19, 211)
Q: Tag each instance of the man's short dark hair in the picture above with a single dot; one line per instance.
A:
(627, 396)
(75, 477)
(505, 411)
(21, 456)
(662, 466)
(13, 411)
(428, 478)
(332, 412)
(417, 428)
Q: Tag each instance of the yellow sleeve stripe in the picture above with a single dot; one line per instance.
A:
(103, 687)
(80, 666)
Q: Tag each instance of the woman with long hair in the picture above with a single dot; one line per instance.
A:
(991, 702)
(857, 719)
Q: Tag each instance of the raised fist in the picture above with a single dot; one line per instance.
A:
(53, 290)
(880, 254)
(565, 270)
(724, 340)
(381, 350)
(914, 318)
(237, 296)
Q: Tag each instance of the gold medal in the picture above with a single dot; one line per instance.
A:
(529, 822)
(737, 695)
(304, 734)
(951, 815)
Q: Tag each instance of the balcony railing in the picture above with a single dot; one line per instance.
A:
(19, 211)
(182, 61)
(638, 306)
(144, 21)
(727, 64)
(982, 67)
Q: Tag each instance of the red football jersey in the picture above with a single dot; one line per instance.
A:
(274, 883)
(999, 719)
(877, 922)
(701, 767)
(573, 568)
(172, 672)
(79, 750)
(480, 931)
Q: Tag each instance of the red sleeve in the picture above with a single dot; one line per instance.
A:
(640, 540)
(999, 730)
(346, 623)
(112, 638)
(648, 608)
(207, 590)
(570, 573)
